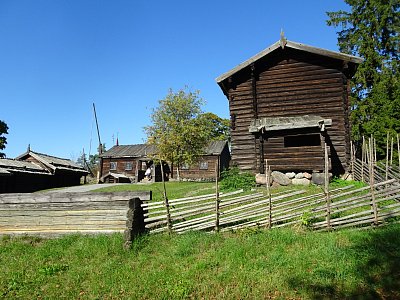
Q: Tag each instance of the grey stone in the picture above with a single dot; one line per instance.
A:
(299, 176)
(307, 175)
(319, 178)
(300, 181)
(261, 179)
(280, 178)
(290, 175)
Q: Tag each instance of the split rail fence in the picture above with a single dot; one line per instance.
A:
(373, 204)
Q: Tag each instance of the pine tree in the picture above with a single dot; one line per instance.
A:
(371, 30)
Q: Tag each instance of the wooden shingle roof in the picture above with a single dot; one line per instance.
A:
(145, 150)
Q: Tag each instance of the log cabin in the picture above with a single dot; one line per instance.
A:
(128, 163)
(33, 171)
(285, 103)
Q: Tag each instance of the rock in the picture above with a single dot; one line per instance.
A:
(319, 178)
(300, 181)
(260, 179)
(280, 178)
(307, 175)
(290, 175)
(299, 176)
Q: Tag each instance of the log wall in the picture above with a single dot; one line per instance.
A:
(290, 83)
(63, 213)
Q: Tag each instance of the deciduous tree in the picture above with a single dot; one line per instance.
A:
(178, 129)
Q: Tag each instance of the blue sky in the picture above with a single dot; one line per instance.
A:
(58, 57)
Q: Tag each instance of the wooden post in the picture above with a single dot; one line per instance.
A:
(387, 157)
(362, 158)
(217, 201)
(135, 222)
(326, 188)
(352, 159)
(168, 214)
(374, 150)
(371, 184)
(398, 150)
(391, 152)
(267, 179)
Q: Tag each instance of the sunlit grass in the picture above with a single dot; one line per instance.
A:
(251, 264)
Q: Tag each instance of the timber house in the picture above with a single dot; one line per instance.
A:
(33, 171)
(285, 103)
(128, 163)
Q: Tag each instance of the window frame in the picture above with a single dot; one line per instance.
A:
(113, 165)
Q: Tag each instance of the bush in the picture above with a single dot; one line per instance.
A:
(233, 179)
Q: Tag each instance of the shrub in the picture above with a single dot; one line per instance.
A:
(234, 179)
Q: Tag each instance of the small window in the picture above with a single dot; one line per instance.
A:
(303, 140)
(128, 166)
(185, 166)
(203, 165)
(113, 165)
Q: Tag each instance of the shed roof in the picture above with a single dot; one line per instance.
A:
(282, 43)
(215, 147)
(284, 123)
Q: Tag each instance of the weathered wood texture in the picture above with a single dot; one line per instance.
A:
(290, 83)
(348, 206)
(62, 213)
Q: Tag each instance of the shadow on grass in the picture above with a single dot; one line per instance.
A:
(376, 270)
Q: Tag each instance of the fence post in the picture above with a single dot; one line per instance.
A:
(398, 150)
(362, 158)
(135, 222)
(216, 197)
(352, 159)
(166, 203)
(267, 180)
(387, 157)
(371, 183)
(326, 187)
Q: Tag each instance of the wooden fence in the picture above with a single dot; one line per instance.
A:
(64, 213)
(348, 206)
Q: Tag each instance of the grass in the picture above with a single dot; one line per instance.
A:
(174, 189)
(252, 264)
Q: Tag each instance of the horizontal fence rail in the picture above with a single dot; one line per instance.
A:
(65, 213)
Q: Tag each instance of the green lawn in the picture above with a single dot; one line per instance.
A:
(253, 264)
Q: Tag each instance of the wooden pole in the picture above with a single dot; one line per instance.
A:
(168, 214)
(362, 158)
(375, 150)
(267, 176)
(371, 184)
(391, 152)
(352, 159)
(387, 157)
(398, 150)
(326, 188)
(217, 201)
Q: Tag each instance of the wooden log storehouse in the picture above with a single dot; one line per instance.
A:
(285, 103)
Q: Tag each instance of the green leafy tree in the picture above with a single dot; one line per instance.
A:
(371, 30)
(219, 128)
(3, 139)
(178, 129)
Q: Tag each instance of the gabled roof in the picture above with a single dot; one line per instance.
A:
(284, 43)
(138, 150)
(52, 162)
(145, 150)
(215, 147)
(11, 165)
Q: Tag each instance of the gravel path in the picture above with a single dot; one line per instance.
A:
(84, 188)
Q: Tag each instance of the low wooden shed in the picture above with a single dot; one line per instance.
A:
(285, 103)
